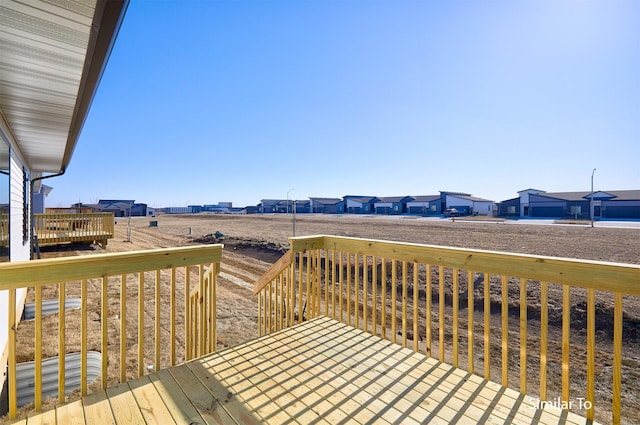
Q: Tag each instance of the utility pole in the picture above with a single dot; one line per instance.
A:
(294, 219)
(129, 224)
(591, 198)
(289, 191)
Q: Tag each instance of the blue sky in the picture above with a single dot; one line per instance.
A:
(215, 101)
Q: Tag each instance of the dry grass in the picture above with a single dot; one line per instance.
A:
(256, 241)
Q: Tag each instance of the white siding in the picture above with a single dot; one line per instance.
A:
(454, 201)
(18, 251)
(483, 208)
(524, 198)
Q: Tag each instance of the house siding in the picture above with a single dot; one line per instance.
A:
(19, 249)
(319, 207)
(465, 206)
(504, 208)
(431, 206)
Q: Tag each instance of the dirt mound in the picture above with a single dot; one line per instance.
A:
(259, 249)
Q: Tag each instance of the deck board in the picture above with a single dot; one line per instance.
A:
(70, 413)
(174, 398)
(96, 406)
(319, 372)
(150, 402)
(123, 405)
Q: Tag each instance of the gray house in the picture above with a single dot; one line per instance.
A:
(425, 205)
(122, 207)
(509, 208)
(392, 205)
(119, 208)
(326, 205)
(465, 204)
(268, 206)
(360, 204)
(613, 204)
(303, 206)
(281, 206)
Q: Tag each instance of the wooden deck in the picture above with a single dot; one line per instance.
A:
(57, 228)
(318, 372)
(57, 237)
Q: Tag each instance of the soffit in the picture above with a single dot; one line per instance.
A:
(47, 52)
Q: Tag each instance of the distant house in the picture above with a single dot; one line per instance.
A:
(281, 206)
(326, 205)
(613, 204)
(360, 204)
(303, 206)
(509, 208)
(268, 206)
(122, 207)
(425, 205)
(40, 192)
(392, 205)
(178, 210)
(465, 204)
(220, 207)
(237, 210)
(117, 209)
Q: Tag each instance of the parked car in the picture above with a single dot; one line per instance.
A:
(451, 212)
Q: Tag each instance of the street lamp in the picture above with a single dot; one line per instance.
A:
(294, 219)
(289, 191)
(591, 198)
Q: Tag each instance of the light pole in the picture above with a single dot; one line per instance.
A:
(591, 198)
(294, 219)
(289, 191)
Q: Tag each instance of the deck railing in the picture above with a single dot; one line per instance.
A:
(73, 227)
(131, 304)
(537, 324)
(4, 229)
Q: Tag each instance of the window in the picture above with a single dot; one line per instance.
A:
(511, 209)
(576, 209)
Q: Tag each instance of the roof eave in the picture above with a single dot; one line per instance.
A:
(107, 20)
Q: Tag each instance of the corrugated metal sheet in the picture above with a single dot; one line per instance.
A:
(26, 382)
(49, 307)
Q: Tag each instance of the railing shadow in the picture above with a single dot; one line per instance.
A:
(323, 371)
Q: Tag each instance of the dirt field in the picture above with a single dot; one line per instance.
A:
(253, 243)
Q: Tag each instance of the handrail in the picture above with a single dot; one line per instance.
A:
(274, 270)
(600, 275)
(519, 309)
(152, 281)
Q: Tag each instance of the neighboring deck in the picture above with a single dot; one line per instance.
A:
(59, 228)
(320, 371)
